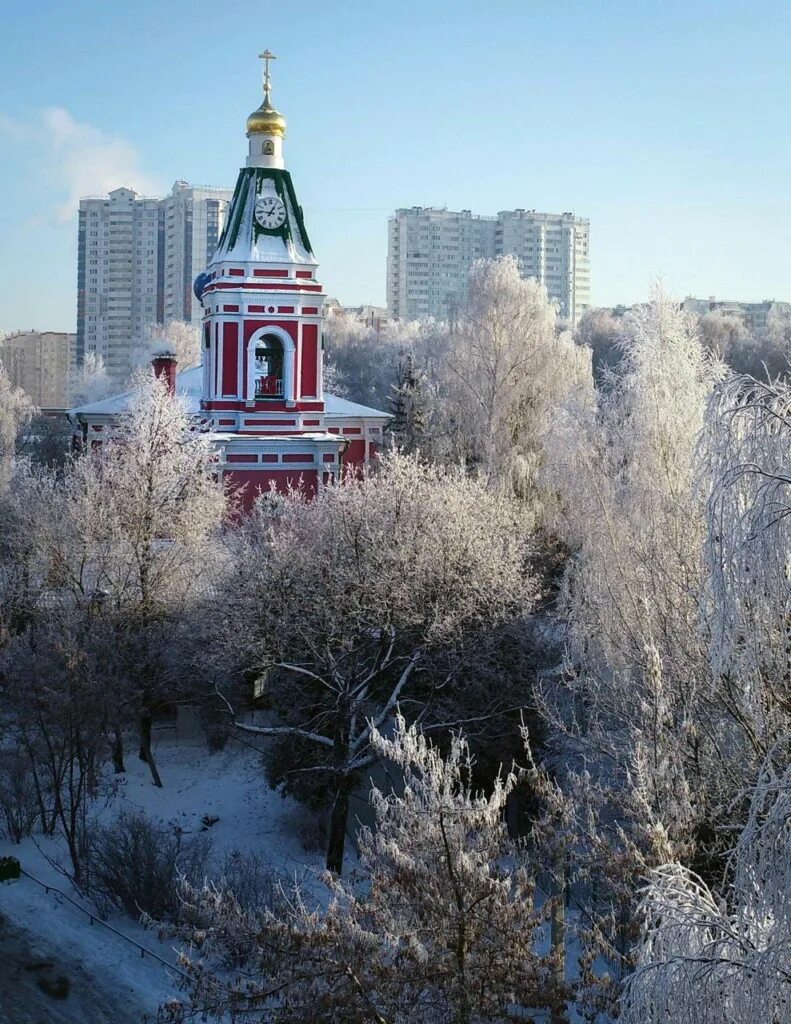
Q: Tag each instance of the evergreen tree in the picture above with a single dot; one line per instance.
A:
(408, 404)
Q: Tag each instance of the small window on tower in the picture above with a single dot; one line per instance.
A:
(269, 148)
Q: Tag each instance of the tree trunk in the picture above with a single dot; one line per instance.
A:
(558, 928)
(118, 750)
(337, 837)
(146, 721)
(76, 860)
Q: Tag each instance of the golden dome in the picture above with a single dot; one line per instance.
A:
(266, 120)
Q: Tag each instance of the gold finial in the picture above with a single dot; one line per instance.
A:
(266, 56)
(266, 120)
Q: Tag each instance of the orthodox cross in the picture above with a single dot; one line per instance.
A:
(266, 56)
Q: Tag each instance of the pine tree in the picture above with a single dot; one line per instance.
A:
(408, 404)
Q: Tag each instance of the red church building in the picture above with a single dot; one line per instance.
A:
(260, 388)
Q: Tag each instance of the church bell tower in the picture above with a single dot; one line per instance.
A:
(263, 304)
(262, 343)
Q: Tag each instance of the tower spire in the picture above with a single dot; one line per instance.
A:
(266, 120)
(266, 56)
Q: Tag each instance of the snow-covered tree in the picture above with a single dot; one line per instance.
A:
(672, 498)
(443, 928)
(362, 359)
(774, 345)
(722, 335)
(625, 473)
(345, 596)
(505, 370)
(365, 361)
(16, 413)
(135, 521)
(638, 703)
(746, 452)
(175, 338)
(57, 695)
(706, 958)
(764, 354)
(600, 331)
(90, 381)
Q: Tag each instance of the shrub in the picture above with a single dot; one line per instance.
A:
(137, 863)
(251, 879)
(309, 827)
(9, 869)
(19, 806)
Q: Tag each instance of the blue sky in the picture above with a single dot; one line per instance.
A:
(665, 123)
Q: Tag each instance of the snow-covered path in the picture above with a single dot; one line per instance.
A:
(32, 990)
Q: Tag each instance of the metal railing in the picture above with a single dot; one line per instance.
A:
(95, 919)
(268, 387)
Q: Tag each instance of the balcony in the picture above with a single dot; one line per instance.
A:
(269, 386)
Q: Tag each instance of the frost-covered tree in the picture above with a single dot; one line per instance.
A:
(49, 441)
(637, 703)
(345, 597)
(16, 413)
(505, 370)
(764, 354)
(443, 929)
(672, 497)
(176, 338)
(90, 381)
(706, 958)
(723, 335)
(746, 450)
(774, 346)
(624, 470)
(600, 331)
(57, 696)
(365, 361)
(134, 521)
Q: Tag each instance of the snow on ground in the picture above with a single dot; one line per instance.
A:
(111, 982)
(229, 785)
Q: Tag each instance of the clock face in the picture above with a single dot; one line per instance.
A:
(270, 212)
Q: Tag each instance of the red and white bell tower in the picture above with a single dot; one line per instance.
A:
(262, 393)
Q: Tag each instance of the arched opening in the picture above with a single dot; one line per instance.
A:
(268, 367)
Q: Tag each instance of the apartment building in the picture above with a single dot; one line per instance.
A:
(120, 247)
(193, 219)
(137, 258)
(40, 363)
(755, 316)
(374, 317)
(430, 252)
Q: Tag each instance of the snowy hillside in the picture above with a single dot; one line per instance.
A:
(109, 976)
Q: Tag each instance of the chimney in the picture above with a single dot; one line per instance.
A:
(164, 366)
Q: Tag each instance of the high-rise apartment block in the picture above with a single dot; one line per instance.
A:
(137, 259)
(194, 218)
(119, 275)
(40, 362)
(430, 252)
